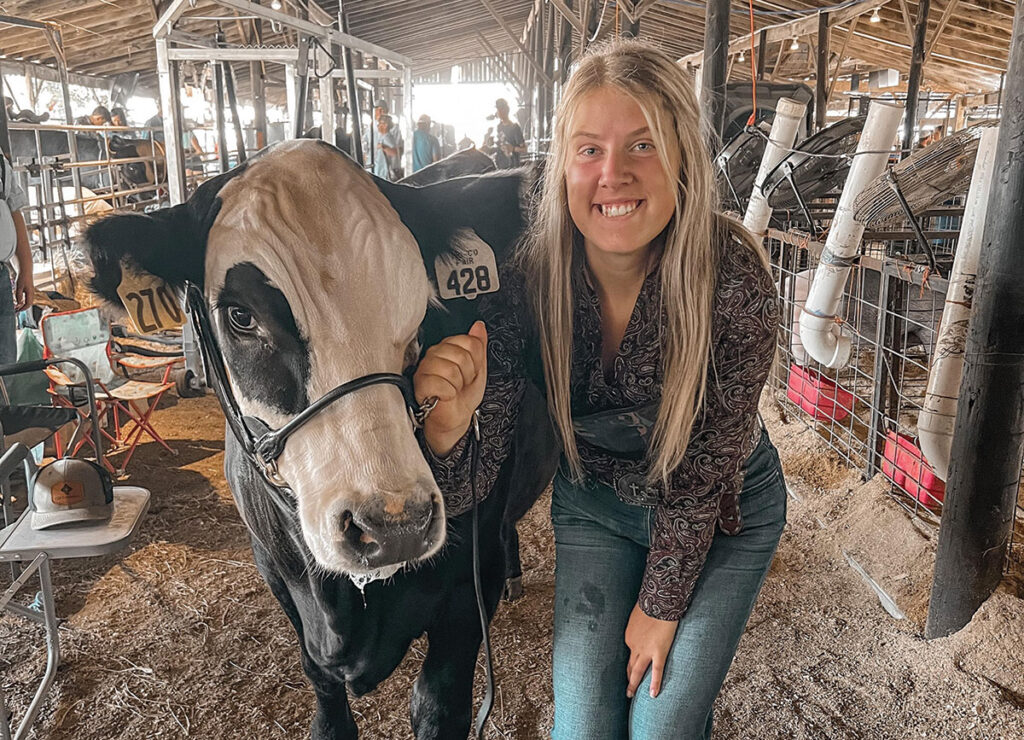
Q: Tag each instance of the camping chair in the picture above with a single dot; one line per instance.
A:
(20, 543)
(129, 404)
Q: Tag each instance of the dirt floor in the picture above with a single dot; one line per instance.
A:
(179, 637)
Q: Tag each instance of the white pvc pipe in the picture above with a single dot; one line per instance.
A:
(801, 286)
(935, 423)
(818, 330)
(788, 115)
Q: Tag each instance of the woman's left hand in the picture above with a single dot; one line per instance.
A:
(455, 373)
(649, 641)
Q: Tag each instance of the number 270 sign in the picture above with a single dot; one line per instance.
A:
(150, 303)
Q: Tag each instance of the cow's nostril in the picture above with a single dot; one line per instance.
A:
(363, 544)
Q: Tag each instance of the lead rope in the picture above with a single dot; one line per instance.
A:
(488, 701)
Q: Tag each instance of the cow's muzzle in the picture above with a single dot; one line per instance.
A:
(391, 531)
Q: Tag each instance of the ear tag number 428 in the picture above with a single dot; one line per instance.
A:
(467, 276)
(151, 304)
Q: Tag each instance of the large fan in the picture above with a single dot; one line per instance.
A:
(925, 179)
(738, 163)
(814, 169)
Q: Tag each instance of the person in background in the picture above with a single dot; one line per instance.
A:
(24, 115)
(510, 145)
(386, 155)
(118, 117)
(13, 243)
(100, 116)
(426, 149)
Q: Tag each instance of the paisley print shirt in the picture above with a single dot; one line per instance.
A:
(705, 488)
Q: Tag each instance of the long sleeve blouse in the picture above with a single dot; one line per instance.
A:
(704, 489)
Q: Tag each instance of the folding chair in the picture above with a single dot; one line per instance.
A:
(20, 543)
(129, 404)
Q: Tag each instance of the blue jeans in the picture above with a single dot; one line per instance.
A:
(8, 327)
(601, 547)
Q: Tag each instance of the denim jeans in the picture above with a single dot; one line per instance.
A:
(8, 327)
(601, 547)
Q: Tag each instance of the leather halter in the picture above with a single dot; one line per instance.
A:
(261, 444)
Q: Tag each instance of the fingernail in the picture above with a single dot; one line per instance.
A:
(629, 694)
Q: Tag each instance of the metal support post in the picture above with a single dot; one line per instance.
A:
(715, 68)
(167, 72)
(229, 85)
(914, 78)
(352, 91)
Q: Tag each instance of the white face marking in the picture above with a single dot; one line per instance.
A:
(324, 235)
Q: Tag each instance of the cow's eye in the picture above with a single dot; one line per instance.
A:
(240, 319)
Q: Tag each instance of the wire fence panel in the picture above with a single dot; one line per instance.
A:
(867, 411)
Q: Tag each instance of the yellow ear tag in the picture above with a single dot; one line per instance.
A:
(150, 302)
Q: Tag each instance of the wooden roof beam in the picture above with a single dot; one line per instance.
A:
(804, 26)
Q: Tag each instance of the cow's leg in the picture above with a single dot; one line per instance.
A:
(442, 698)
(333, 719)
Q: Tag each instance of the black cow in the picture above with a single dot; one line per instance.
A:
(316, 274)
(465, 162)
(55, 144)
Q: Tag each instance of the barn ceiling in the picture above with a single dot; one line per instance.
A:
(109, 37)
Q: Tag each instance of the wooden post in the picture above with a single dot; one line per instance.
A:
(914, 80)
(821, 74)
(715, 68)
(988, 438)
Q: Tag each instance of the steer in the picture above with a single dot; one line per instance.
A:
(316, 274)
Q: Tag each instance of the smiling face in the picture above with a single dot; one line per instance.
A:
(620, 195)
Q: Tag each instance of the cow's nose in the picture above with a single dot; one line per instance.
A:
(391, 530)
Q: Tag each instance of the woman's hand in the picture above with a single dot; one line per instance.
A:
(455, 372)
(649, 641)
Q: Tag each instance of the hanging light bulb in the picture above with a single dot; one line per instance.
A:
(741, 57)
(875, 17)
(795, 46)
(275, 4)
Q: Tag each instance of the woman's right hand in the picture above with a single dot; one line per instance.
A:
(455, 372)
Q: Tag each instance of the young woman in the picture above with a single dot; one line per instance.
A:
(657, 327)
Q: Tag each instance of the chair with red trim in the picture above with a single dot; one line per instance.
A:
(126, 404)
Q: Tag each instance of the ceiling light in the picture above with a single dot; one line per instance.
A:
(795, 46)
(741, 58)
(275, 4)
(875, 17)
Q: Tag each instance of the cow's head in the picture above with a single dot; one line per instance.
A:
(316, 274)
(135, 174)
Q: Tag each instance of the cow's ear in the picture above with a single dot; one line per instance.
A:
(492, 207)
(169, 243)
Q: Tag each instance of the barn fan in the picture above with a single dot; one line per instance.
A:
(738, 162)
(814, 169)
(926, 178)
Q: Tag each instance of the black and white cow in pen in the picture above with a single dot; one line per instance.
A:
(316, 274)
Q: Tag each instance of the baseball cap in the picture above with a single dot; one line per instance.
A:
(71, 490)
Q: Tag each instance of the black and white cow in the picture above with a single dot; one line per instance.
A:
(315, 274)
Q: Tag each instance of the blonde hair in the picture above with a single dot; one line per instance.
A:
(688, 261)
